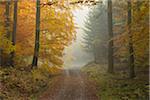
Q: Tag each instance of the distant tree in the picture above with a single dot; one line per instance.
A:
(96, 34)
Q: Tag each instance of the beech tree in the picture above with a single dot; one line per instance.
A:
(7, 26)
(37, 35)
(14, 31)
(6, 46)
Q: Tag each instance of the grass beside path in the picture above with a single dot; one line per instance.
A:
(117, 86)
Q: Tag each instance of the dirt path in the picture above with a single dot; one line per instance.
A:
(72, 85)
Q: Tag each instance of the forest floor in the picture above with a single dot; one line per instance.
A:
(92, 82)
(118, 86)
(72, 85)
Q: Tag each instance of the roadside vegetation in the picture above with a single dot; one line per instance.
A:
(22, 83)
(118, 86)
(120, 49)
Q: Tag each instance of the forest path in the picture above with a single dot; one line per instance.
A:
(72, 85)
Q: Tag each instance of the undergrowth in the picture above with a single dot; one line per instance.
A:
(117, 86)
(22, 83)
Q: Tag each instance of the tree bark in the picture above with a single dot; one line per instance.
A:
(1, 56)
(37, 35)
(95, 54)
(131, 50)
(7, 21)
(5, 58)
(110, 43)
(14, 31)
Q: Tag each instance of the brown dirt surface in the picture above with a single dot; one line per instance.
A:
(72, 85)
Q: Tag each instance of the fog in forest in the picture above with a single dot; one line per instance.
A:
(74, 54)
(91, 37)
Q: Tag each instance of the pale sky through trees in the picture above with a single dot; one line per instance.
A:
(75, 56)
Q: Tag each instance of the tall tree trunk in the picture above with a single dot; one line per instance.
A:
(37, 35)
(5, 58)
(1, 56)
(110, 44)
(14, 31)
(7, 16)
(7, 27)
(131, 50)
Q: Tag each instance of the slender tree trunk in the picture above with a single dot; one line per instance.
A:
(131, 50)
(6, 60)
(1, 56)
(95, 54)
(37, 35)
(110, 44)
(7, 21)
(7, 26)
(14, 31)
